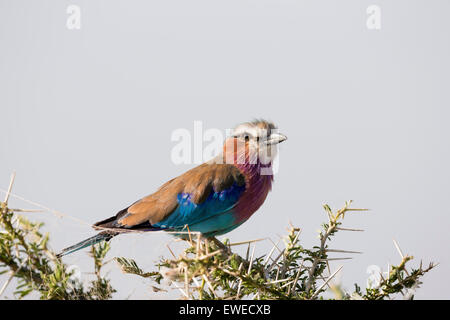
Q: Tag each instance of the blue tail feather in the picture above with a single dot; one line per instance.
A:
(86, 243)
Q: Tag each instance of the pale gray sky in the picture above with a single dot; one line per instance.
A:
(87, 116)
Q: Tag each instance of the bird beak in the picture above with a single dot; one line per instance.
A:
(276, 138)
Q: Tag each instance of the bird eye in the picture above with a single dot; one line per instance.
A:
(246, 136)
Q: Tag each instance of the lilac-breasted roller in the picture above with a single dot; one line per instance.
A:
(212, 198)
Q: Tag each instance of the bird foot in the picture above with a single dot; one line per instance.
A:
(220, 245)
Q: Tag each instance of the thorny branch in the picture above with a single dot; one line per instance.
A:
(26, 257)
(208, 269)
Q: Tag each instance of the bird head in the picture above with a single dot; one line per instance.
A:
(253, 142)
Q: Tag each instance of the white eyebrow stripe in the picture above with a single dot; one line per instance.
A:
(244, 128)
